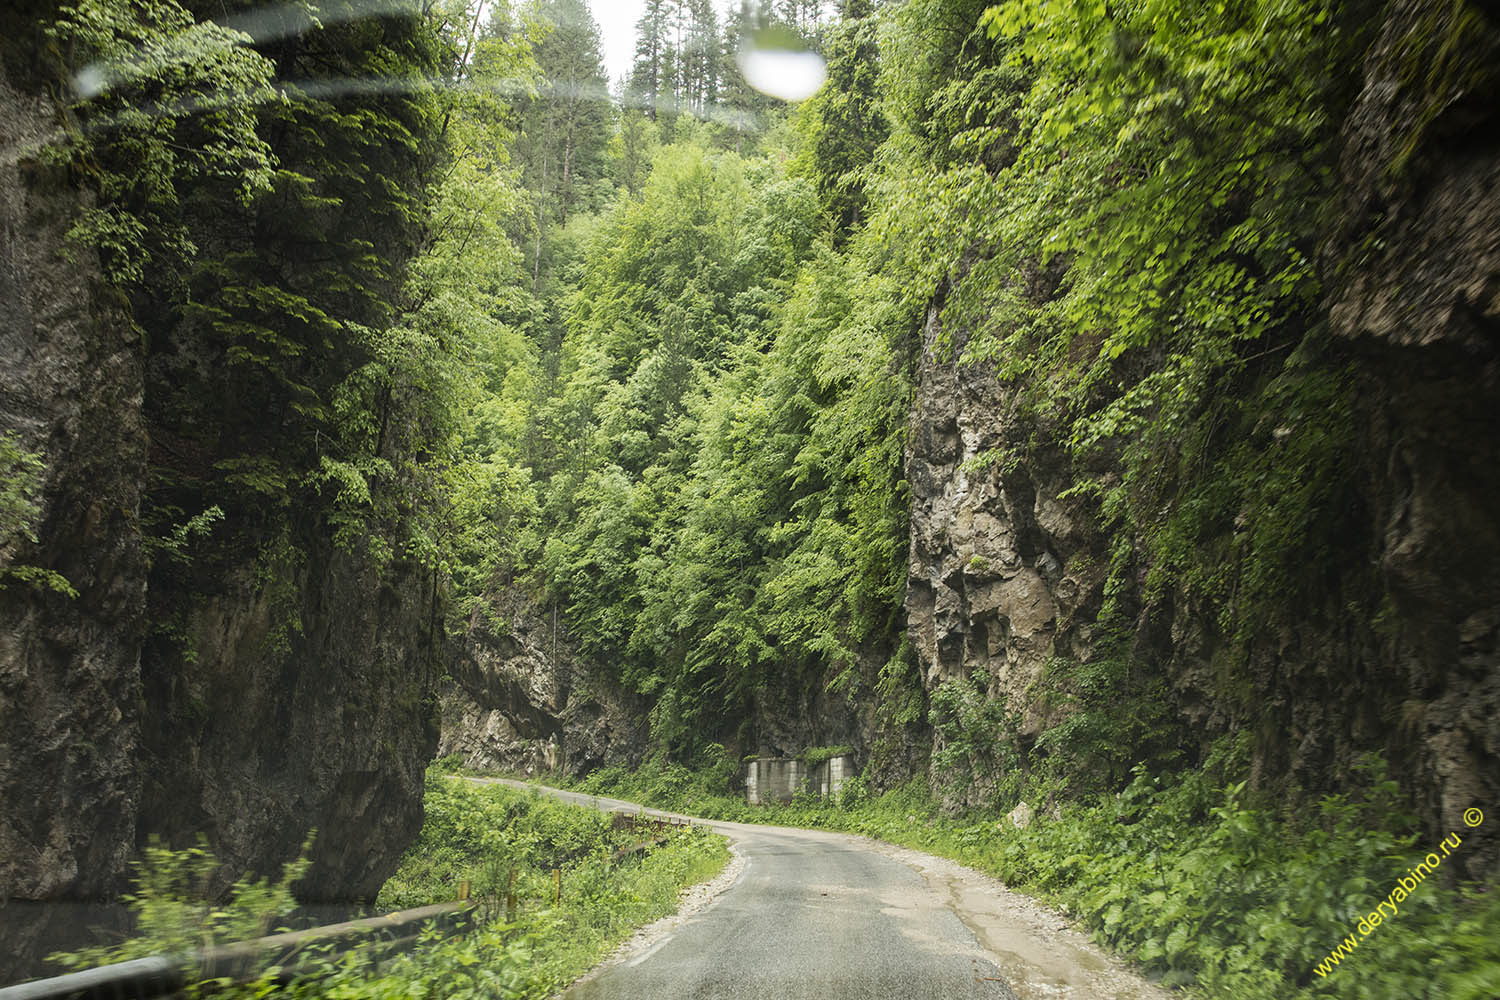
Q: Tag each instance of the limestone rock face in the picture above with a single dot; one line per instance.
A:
(1419, 248)
(797, 711)
(1003, 574)
(519, 699)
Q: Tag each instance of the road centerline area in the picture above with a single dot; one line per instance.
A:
(831, 916)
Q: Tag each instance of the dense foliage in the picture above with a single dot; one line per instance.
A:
(1117, 209)
(488, 834)
(21, 474)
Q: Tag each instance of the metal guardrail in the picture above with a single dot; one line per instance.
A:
(657, 826)
(245, 961)
(622, 819)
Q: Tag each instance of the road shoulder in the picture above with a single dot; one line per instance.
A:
(1044, 954)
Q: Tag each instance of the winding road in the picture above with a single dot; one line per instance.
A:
(829, 916)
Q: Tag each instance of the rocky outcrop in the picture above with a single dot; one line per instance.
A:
(1401, 651)
(798, 710)
(519, 699)
(1416, 292)
(257, 737)
(1003, 574)
(1418, 254)
(265, 700)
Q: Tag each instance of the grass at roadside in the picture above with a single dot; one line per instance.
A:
(483, 834)
(1190, 877)
(502, 841)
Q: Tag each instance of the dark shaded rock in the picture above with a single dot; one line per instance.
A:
(263, 705)
(520, 698)
(793, 711)
(70, 706)
(1417, 294)
(256, 741)
(1418, 256)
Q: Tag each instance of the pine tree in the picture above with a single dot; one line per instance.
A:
(804, 17)
(743, 102)
(565, 130)
(700, 58)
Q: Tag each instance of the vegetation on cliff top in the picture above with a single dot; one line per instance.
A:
(657, 368)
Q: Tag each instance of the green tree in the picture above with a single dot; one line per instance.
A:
(700, 59)
(565, 128)
(653, 57)
(843, 124)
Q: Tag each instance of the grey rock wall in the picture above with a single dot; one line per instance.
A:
(1416, 292)
(1002, 574)
(795, 710)
(257, 743)
(112, 733)
(519, 699)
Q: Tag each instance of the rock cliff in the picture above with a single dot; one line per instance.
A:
(257, 706)
(519, 699)
(1416, 291)
(256, 742)
(70, 704)
(1400, 653)
(1003, 574)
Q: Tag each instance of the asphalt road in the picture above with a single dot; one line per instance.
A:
(813, 915)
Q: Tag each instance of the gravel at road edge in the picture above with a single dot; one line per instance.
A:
(692, 899)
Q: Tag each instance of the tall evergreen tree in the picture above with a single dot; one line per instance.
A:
(565, 129)
(806, 17)
(652, 49)
(700, 58)
(743, 102)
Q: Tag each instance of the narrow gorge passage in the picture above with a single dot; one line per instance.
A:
(1060, 437)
